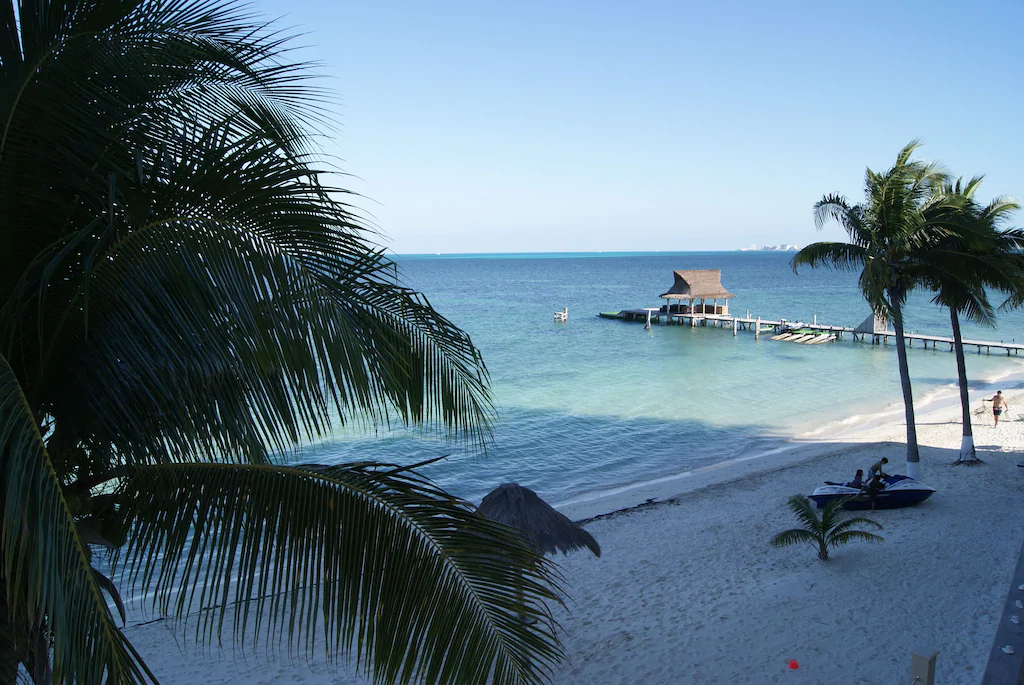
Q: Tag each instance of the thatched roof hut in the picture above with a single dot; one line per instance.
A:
(545, 529)
(701, 284)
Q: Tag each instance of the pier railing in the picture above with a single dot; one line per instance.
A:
(759, 326)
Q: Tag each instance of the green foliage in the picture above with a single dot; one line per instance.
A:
(831, 530)
(961, 275)
(904, 221)
(975, 255)
(185, 298)
(907, 230)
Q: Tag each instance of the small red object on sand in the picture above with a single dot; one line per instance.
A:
(793, 665)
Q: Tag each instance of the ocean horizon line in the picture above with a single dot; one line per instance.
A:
(570, 254)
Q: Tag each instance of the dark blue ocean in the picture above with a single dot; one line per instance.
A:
(593, 403)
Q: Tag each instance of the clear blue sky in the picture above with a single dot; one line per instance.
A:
(544, 126)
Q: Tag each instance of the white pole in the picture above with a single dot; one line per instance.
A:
(757, 329)
(815, 319)
(735, 323)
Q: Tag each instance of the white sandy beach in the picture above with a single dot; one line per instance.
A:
(689, 591)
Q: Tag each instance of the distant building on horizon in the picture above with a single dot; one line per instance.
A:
(784, 247)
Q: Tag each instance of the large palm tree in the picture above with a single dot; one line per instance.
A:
(902, 222)
(961, 273)
(184, 299)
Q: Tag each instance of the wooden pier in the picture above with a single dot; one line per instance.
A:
(761, 326)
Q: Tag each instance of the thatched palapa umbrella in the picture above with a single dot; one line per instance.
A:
(544, 529)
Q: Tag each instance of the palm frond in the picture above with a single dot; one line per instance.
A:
(849, 523)
(792, 537)
(45, 563)
(804, 510)
(958, 280)
(288, 314)
(407, 580)
(831, 515)
(830, 208)
(903, 157)
(849, 536)
(839, 256)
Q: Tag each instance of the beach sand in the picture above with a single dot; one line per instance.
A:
(688, 590)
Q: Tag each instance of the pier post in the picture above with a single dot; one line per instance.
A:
(922, 666)
(735, 325)
(757, 329)
(815, 319)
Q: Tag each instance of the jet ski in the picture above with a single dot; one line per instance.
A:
(899, 491)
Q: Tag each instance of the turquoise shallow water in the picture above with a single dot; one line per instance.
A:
(594, 403)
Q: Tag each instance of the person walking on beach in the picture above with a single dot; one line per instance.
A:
(998, 405)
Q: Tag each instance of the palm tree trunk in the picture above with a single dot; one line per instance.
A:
(967, 451)
(913, 455)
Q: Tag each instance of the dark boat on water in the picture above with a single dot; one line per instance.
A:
(899, 491)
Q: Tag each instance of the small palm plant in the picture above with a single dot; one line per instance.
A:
(831, 530)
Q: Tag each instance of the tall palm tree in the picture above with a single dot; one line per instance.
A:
(901, 223)
(184, 300)
(960, 274)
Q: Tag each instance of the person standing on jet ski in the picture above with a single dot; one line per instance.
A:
(876, 469)
(877, 482)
